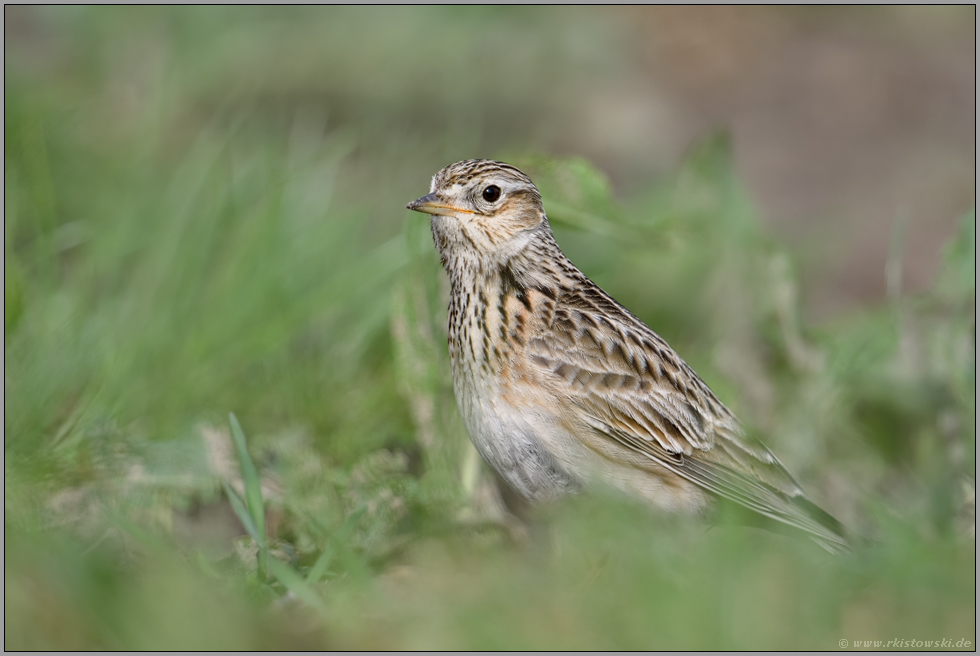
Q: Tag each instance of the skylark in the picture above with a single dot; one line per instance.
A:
(561, 387)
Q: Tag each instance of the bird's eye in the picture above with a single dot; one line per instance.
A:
(491, 193)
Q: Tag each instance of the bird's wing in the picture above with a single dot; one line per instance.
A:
(633, 389)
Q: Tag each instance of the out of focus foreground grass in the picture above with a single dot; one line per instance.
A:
(203, 215)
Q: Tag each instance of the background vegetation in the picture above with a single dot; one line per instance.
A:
(203, 215)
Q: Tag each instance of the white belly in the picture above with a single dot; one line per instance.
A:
(509, 440)
(542, 461)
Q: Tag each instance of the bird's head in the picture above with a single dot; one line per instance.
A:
(481, 209)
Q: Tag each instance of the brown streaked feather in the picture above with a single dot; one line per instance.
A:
(749, 491)
(633, 389)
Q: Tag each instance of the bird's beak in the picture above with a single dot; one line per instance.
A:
(432, 204)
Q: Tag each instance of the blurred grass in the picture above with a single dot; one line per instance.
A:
(203, 215)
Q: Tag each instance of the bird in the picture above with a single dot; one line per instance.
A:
(562, 389)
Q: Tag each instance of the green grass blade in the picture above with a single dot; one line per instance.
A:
(253, 488)
(250, 476)
(322, 564)
(295, 584)
(239, 507)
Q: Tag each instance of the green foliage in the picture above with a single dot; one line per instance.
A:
(252, 512)
(957, 279)
(203, 214)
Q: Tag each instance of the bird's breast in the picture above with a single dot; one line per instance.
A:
(507, 418)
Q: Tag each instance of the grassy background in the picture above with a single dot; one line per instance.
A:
(203, 215)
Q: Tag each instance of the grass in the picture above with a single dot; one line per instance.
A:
(188, 232)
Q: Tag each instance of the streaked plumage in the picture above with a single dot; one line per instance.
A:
(561, 387)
